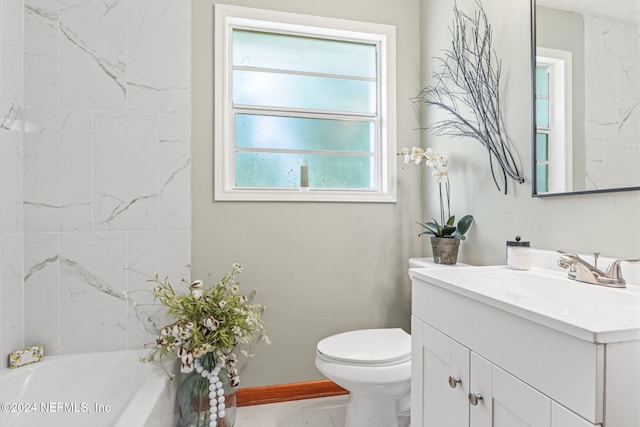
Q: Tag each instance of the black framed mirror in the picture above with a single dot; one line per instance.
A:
(586, 96)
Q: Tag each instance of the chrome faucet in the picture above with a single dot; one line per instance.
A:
(581, 270)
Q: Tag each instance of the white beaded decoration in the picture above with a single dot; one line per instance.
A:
(216, 392)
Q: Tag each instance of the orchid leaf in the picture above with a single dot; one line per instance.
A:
(448, 230)
(464, 224)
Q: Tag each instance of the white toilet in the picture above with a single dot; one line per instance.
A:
(374, 365)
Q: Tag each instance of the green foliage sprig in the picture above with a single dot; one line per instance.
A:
(215, 318)
(448, 229)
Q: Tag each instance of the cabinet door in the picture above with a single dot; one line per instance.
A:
(562, 417)
(481, 388)
(440, 375)
(505, 401)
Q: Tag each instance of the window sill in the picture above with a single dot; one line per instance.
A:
(311, 195)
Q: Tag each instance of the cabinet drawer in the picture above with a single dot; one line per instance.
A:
(567, 369)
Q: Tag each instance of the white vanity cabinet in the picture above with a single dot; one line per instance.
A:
(455, 387)
(479, 362)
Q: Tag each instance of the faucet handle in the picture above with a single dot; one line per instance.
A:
(563, 262)
(615, 272)
(596, 255)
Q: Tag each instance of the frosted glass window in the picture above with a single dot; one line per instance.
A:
(283, 170)
(542, 81)
(293, 88)
(542, 147)
(542, 113)
(303, 92)
(542, 178)
(542, 97)
(299, 133)
(542, 163)
(309, 54)
(543, 121)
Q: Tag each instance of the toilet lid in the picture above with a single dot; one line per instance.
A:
(368, 346)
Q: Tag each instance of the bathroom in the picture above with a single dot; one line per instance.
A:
(125, 179)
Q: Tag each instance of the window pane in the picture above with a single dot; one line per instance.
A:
(542, 178)
(297, 133)
(542, 162)
(542, 147)
(542, 82)
(307, 54)
(283, 170)
(542, 113)
(304, 92)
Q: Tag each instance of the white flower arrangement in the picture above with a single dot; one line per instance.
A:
(210, 322)
(213, 319)
(446, 227)
(431, 158)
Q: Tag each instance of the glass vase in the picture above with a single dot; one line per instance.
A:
(194, 402)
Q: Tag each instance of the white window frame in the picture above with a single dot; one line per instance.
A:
(560, 117)
(229, 17)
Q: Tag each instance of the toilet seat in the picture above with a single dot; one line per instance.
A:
(381, 347)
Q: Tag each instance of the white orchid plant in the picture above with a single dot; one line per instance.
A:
(447, 226)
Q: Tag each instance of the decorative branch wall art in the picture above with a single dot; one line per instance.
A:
(467, 88)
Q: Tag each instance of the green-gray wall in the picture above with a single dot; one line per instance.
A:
(607, 223)
(323, 268)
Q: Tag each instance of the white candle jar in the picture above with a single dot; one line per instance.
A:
(518, 254)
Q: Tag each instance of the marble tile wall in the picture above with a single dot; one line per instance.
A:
(11, 151)
(613, 109)
(106, 168)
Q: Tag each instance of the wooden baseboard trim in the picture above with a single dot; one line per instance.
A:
(287, 392)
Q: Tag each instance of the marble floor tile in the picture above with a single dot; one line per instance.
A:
(320, 412)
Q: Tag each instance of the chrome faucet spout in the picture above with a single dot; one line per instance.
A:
(581, 270)
(573, 258)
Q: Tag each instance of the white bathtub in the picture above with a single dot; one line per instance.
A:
(111, 389)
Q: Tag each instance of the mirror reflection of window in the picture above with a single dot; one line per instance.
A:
(554, 137)
(542, 128)
(602, 37)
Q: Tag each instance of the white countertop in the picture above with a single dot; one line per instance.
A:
(429, 263)
(589, 312)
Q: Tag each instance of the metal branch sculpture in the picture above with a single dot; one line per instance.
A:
(470, 78)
